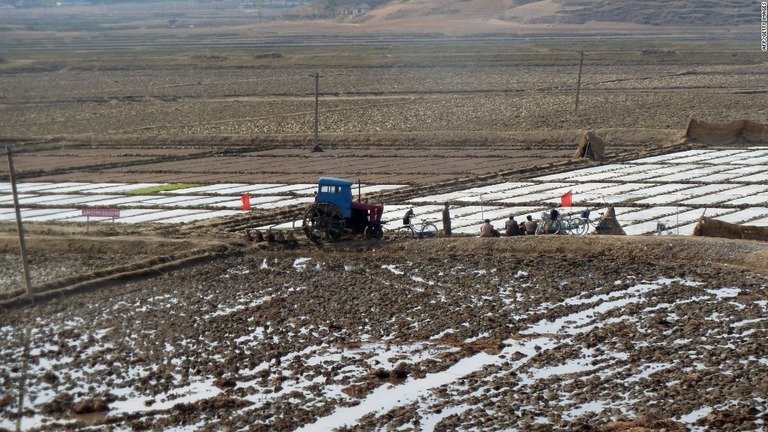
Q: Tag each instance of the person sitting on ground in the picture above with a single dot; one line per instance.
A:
(487, 230)
(407, 217)
(530, 225)
(511, 227)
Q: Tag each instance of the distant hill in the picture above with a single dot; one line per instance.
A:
(688, 13)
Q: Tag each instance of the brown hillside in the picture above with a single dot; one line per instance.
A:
(725, 13)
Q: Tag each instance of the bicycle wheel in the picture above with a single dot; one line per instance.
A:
(540, 227)
(428, 230)
(578, 226)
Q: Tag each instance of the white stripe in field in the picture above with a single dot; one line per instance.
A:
(192, 201)
(129, 187)
(638, 168)
(744, 216)
(265, 189)
(755, 161)
(499, 187)
(727, 195)
(164, 200)
(55, 187)
(692, 175)
(311, 190)
(129, 200)
(27, 213)
(252, 189)
(597, 195)
(200, 216)
(204, 189)
(218, 189)
(80, 188)
(151, 217)
(69, 214)
(605, 175)
(550, 194)
(708, 156)
(8, 199)
(747, 170)
(523, 189)
(759, 222)
(101, 187)
(667, 158)
(754, 178)
(283, 203)
(587, 174)
(722, 158)
(368, 189)
(649, 214)
(294, 187)
(81, 200)
(22, 187)
(42, 199)
(719, 177)
(463, 194)
(637, 176)
(758, 199)
(684, 194)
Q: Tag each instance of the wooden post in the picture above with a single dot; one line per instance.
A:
(20, 226)
(316, 147)
(578, 84)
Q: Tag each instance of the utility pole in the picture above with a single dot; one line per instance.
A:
(578, 84)
(19, 225)
(316, 147)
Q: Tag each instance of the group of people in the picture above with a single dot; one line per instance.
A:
(511, 227)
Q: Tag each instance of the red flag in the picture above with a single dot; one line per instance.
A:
(566, 199)
(246, 199)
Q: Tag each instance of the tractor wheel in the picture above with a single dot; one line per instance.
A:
(374, 231)
(323, 221)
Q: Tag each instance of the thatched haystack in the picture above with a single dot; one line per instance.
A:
(726, 133)
(610, 225)
(591, 146)
(708, 227)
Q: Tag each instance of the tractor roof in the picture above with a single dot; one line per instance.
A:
(333, 181)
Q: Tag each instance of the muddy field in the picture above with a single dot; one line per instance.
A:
(483, 334)
(196, 327)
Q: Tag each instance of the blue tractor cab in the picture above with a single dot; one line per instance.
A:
(337, 192)
(335, 213)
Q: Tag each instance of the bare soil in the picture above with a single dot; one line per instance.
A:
(169, 307)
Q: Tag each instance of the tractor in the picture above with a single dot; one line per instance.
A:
(334, 213)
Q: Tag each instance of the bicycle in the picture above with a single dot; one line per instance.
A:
(662, 228)
(425, 230)
(547, 225)
(580, 224)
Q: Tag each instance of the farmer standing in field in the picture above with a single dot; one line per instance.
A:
(447, 220)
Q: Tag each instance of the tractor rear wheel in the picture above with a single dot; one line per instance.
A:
(323, 221)
(374, 231)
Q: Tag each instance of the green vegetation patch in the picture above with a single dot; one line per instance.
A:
(162, 188)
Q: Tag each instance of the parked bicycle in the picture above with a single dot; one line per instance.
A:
(548, 225)
(662, 228)
(580, 224)
(425, 229)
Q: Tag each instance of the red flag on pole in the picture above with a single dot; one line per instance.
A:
(566, 199)
(246, 199)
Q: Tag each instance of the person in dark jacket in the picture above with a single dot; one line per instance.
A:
(447, 219)
(530, 225)
(511, 227)
(407, 217)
